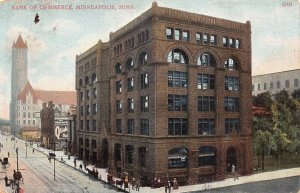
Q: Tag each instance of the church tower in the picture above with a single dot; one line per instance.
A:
(19, 77)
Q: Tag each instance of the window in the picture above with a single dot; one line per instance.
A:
(144, 103)
(87, 125)
(178, 158)
(119, 106)
(24, 114)
(143, 59)
(287, 84)
(206, 126)
(94, 78)
(178, 126)
(119, 125)
(118, 87)
(232, 126)
(265, 86)
(237, 43)
(118, 68)
(130, 126)
(177, 102)
(233, 83)
(177, 79)
(206, 59)
(169, 33)
(87, 94)
(147, 35)
(206, 103)
(130, 103)
(258, 86)
(95, 109)
(130, 84)
(142, 156)
(24, 122)
(213, 40)
(185, 36)
(177, 56)
(80, 82)
(117, 152)
(206, 81)
(296, 82)
(207, 156)
(205, 38)
(87, 108)
(95, 92)
(28, 121)
(144, 81)
(144, 126)
(271, 85)
(129, 152)
(81, 110)
(230, 64)
(33, 122)
(81, 96)
(177, 34)
(199, 37)
(129, 64)
(94, 125)
(232, 104)
(86, 81)
(231, 42)
(225, 41)
(278, 85)
(28, 115)
(81, 124)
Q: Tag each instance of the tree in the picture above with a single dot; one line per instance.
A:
(296, 94)
(263, 100)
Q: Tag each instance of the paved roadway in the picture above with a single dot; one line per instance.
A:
(285, 185)
(38, 172)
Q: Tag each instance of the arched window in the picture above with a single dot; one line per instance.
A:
(231, 64)
(206, 59)
(80, 82)
(86, 81)
(118, 68)
(178, 158)
(178, 56)
(129, 154)
(87, 142)
(129, 64)
(94, 78)
(207, 156)
(143, 59)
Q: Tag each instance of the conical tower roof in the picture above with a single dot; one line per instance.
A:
(20, 43)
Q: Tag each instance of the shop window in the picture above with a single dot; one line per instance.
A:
(178, 158)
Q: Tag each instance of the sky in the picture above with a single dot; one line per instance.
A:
(54, 42)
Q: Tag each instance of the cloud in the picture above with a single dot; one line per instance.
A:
(35, 44)
(62, 26)
(3, 77)
(4, 103)
(53, 82)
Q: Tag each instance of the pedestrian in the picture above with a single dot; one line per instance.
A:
(84, 164)
(32, 150)
(80, 167)
(6, 180)
(7, 154)
(169, 186)
(138, 184)
(166, 188)
(74, 162)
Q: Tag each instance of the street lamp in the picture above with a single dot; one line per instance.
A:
(53, 155)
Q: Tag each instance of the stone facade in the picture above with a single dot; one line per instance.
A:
(275, 82)
(173, 98)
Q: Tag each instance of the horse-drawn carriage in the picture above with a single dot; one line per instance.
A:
(18, 176)
(4, 162)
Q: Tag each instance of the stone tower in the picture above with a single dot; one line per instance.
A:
(19, 77)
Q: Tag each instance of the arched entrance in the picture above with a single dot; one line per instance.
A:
(231, 159)
(104, 153)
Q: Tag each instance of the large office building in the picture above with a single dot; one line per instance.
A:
(168, 96)
(275, 82)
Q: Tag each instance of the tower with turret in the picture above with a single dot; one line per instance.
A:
(19, 77)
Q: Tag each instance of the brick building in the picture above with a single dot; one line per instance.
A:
(169, 95)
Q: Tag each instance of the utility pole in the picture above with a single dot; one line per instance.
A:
(53, 155)
(26, 146)
(17, 152)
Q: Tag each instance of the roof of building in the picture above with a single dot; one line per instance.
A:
(30, 129)
(273, 73)
(20, 43)
(58, 97)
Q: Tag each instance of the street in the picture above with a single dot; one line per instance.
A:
(38, 172)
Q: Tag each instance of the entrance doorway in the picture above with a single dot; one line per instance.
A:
(231, 159)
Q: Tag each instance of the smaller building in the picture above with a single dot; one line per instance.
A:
(5, 129)
(71, 141)
(275, 82)
(30, 133)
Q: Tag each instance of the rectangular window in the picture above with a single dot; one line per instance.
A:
(258, 86)
(81, 96)
(213, 40)
(206, 103)
(271, 85)
(119, 125)
(87, 108)
(178, 126)
(130, 103)
(169, 33)
(28, 122)
(130, 84)
(81, 124)
(144, 126)
(119, 106)
(278, 85)
(33, 122)
(185, 36)
(87, 96)
(94, 125)
(177, 102)
(95, 109)
(296, 82)
(199, 37)
(87, 125)
(177, 79)
(118, 87)
(225, 41)
(287, 84)
(232, 104)
(28, 115)
(24, 114)
(81, 110)
(177, 34)
(144, 103)
(265, 86)
(95, 92)
(130, 126)
(206, 81)
(144, 81)
(232, 83)
(205, 38)
(206, 126)
(237, 43)
(232, 126)
(24, 122)
(231, 42)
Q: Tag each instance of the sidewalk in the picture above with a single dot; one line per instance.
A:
(227, 182)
